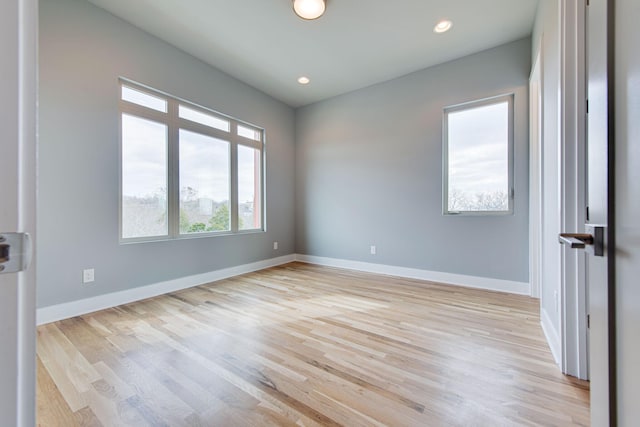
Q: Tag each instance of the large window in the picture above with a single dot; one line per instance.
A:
(478, 153)
(186, 170)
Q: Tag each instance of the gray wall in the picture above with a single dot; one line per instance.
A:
(83, 51)
(369, 172)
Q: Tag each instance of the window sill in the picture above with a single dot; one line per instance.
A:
(132, 241)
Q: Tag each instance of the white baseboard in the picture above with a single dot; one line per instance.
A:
(550, 332)
(487, 283)
(76, 308)
(101, 302)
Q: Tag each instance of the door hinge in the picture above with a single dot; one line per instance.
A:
(587, 106)
(587, 212)
(588, 321)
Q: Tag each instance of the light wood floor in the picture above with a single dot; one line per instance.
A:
(307, 345)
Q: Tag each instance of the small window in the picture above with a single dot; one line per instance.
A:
(144, 99)
(203, 118)
(478, 146)
(186, 171)
(249, 183)
(250, 133)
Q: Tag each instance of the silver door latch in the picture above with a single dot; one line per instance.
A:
(15, 252)
(592, 241)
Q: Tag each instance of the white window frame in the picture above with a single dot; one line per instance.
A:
(509, 98)
(174, 123)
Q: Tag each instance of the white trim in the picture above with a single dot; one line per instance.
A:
(101, 302)
(77, 308)
(487, 283)
(553, 339)
(535, 174)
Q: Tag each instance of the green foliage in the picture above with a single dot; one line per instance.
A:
(197, 227)
(220, 219)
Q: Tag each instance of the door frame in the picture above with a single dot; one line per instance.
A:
(573, 178)
(569, 342)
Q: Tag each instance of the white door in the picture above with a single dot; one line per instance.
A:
(600, 204)
(598, 234)
(18, 39)
(627, 137)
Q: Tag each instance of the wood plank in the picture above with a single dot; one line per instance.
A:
(52, 409)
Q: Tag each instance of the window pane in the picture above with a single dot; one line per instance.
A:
(203, 118)
(144, 178)
(249, 203)
(144, 99)
(250, 133)
(478, 154)
(204, 183)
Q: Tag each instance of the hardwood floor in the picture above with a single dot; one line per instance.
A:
(307, 345)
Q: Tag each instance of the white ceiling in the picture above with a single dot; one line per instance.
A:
(356, 43)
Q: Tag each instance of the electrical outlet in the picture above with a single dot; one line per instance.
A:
(88, 275)
(373, 250)
(275, 246)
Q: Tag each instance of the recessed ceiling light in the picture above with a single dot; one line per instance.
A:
(442, 26)
(309, 9)
(303, 80)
